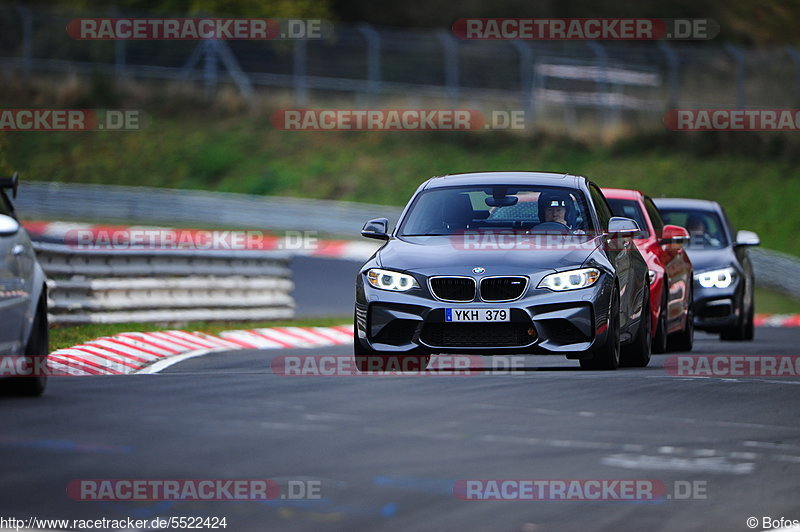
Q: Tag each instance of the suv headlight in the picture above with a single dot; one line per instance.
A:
(389, 280)
(570, 280)
(721, 278)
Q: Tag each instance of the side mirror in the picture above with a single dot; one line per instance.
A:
(620, 226)
(747, 238)
(8, 225)
(674, 234)
(377, 228)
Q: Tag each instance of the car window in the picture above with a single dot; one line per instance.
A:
(5, 206)
(630, 209)
(655, 216)
(705, 227)
(447, 211)
(604, 213)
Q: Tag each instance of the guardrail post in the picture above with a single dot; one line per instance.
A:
(526, 73)
(795, 57)
(603, 83)
(451, 73)
(119, 50)
(738, 58)
(210, 73)
(673, 73)
(300, 78)
(373, 39)
(27, 38)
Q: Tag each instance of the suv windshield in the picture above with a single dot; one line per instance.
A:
(705, 227)
(527, 209)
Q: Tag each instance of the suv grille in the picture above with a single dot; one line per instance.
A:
(476, 334)
(502, 288)
(453, 288)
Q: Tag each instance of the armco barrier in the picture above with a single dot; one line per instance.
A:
(194, 208)
(115, 286)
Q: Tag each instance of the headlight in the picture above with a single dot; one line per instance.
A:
(570, 280)
(716, 278)
(389, 280)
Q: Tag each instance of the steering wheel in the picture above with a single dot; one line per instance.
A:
(551, 227)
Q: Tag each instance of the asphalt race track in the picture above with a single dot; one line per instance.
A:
(386, 451)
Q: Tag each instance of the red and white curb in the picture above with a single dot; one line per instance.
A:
(150, 352)
(776, 320)
(339, 249)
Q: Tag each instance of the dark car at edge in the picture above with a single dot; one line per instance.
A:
(723, 274)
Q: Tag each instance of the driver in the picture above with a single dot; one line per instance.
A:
(553, 207)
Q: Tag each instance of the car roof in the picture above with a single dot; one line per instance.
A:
(686, 203)
(621, 193)
(505, 178)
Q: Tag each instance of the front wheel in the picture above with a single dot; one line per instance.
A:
(684, 340)
(606, 357)
(660, 339)
(637, 354)
(37, 348)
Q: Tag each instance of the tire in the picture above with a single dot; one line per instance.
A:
(749, 326)
(368, 359)
(37, 347)
(637, 353)
(684, 340)
(606, 357)
(742, 330)
(660, 339)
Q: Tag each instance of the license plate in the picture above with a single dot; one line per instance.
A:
(477, 314)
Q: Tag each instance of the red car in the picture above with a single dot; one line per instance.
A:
(662, 247)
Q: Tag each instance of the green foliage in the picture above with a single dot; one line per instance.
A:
(747, 173)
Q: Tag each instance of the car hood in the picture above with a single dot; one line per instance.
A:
(444, 255)
(711, 259)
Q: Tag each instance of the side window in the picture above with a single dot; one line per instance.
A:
(655, 216)
(601, 205)
(731, 230)
(5, 206)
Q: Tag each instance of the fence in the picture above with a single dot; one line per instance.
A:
(556, 81)
(117, 286)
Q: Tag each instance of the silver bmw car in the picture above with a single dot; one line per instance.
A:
(23, 304)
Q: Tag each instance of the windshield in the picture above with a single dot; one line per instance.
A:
(705, 227)
(630, 209)
(525, 209)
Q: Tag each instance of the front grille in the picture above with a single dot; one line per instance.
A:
(453, 288)
(502, 288)
(476, 334)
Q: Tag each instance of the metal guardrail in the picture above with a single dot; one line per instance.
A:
(777, 271)
(116, 286)
(109, 203)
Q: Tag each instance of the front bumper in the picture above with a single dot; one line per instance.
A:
(717, 308)
(567, 323)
